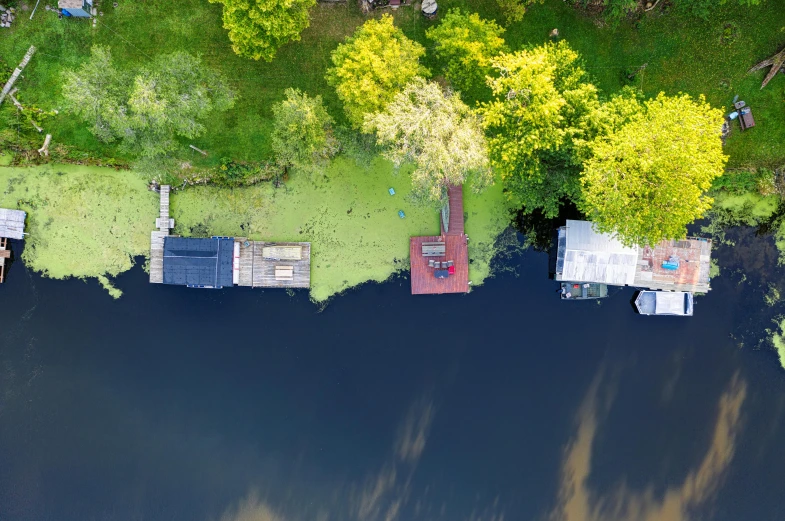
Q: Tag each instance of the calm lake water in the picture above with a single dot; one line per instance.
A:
(506, 404)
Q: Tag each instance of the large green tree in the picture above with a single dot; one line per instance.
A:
(257, 28)
(372, 66)
(466, 43)
(544, 113)
(437, 132)
(302, 136)
(171, 96)
(96, 92)
(648, 179)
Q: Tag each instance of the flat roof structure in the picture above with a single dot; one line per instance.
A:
(585, 255)
(450, 246)
(199, 263)
(273, 264)
(12, 223)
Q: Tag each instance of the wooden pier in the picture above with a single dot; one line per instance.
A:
(451, 248)
(5, 253)
(274, 264)
(164, 223)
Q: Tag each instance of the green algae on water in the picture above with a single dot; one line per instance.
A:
(778, 340)
(348, 216)
(82, 221)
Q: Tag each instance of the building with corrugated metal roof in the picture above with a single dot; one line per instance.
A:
(585, 255)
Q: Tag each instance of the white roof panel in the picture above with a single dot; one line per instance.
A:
(12, 223)
(596, 257)
(669, 303)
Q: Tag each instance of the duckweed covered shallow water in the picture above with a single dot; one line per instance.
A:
(91, 222)
(82, 221)
(349, 217)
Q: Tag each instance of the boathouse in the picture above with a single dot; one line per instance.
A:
(220, 262)
(440, 264)
(197, 262)
(12, 226)
(585, 255)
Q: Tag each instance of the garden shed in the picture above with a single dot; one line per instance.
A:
(77, 8)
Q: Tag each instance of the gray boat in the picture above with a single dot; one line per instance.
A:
(583, 291)
(676, 303)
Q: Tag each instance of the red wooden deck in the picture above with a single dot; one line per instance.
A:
(456, 250)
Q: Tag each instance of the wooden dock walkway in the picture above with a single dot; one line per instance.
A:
(164, 223)
(5, 253)
(456, 250)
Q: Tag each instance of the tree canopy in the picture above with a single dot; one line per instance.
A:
(257, 28)
(436, 131)
(96, 93)
(648, 179)
(302, 132)
(466, 43)
(513, 10)
(371, 66)
(543, 114)
(146, 111)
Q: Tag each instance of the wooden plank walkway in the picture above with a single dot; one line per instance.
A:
(455, 249)
(5, 253)
(164, 224)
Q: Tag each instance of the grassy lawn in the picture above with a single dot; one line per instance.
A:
(682, 54)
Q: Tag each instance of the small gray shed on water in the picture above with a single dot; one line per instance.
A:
(12, 224)
(198, 263)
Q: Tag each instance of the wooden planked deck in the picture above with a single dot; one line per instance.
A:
(455, 249)
(257, 271)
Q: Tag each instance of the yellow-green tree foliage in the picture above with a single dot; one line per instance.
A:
(302, 132)
(466, 43)
(372, 66)
(436, 131)
(513, 10)
(648, 179)
(543, 114)
(257, 28)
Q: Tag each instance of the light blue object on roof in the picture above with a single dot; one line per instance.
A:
(401, 214)
(392, 191)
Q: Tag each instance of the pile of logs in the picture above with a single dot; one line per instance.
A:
(7, 16)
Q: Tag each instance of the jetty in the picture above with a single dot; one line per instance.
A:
(12, 226)
(164, 223)
(440, 264)
(219, 262)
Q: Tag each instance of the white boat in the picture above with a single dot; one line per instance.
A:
(678, 303)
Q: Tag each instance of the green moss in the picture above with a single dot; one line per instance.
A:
(82, 221)
(347, 215)
(751, 207)
(5, 159)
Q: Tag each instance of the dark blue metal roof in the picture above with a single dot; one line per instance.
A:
(198, 262)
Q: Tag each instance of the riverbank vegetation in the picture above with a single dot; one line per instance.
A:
(584, 77)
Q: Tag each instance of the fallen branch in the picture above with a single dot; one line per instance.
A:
(17, 72)
(16, 102)
(776, 62)
(198, 150)
(652, 7)
(44, 150)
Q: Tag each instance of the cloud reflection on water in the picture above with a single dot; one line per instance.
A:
(577, 502)
(383, 495)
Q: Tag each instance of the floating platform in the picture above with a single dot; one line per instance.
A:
(273, 264)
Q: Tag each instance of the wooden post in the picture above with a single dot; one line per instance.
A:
(17, 73)
(44, 150)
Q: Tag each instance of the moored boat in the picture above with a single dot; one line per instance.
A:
(676, 303)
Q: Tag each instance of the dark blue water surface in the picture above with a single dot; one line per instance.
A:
(180, 404)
